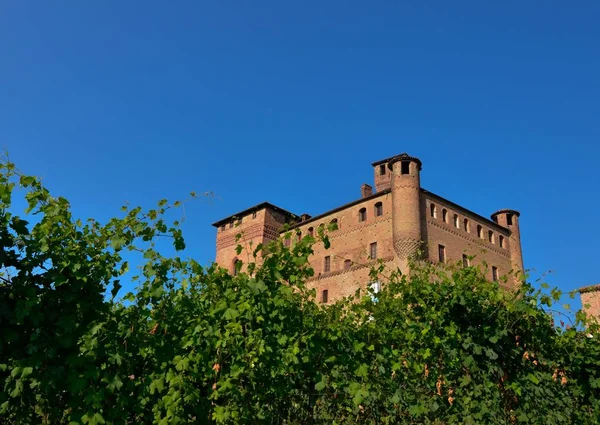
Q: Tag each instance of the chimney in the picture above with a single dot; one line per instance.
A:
(366, 190)
(304, 217)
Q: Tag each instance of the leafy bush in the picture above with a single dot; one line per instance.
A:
(198, 345)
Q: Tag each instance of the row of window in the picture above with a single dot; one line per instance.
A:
(404, 169)
(235, 222)
(466, 225)
(362, 216)
(465, 260)
(348, 263)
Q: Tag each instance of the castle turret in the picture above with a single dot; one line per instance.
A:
(510, 220)
(406, 210)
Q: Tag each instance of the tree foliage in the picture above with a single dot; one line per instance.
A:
(198, 345)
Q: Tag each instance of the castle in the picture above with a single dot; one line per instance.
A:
(392, 223)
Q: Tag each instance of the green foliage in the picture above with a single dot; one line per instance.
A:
(198, 345)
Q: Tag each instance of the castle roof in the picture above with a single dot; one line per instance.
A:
(262, 205)
(590, 288)
(402, 157)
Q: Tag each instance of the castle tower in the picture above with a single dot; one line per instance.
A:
(510, 220)
(406, 207)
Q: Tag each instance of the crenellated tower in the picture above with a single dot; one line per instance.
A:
(406, 210)
(510, 220)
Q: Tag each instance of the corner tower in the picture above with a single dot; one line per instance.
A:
(406, 207)
(510, 220)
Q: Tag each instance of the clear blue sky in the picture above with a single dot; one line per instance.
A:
(290, 102)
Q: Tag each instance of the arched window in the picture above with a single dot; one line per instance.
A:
(501, 240)
(362, 214)
(433, 210)
(479, 231)
(347, 264)
(298, 236)
(456, 223)
(311, 232)
(378, 209)
(491, 237)
(445, 215)
(466, 225)
(333, 224)
(235, 266)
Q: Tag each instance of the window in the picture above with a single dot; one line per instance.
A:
(491, 237)
(375, 288)
(334, 224)
(327, 264)
(311, 232)
(445, 215)
(382, 169)
(456, 222)
(239, 221)
(373, 250)
(236, 266)
(231, 225)
(405, 167)
(466, 262)
(347, 264)
(362, 214)
(466, 225)
(222, 228)
(298, 236)
(433, 210)
(324, 296)
(494, 273)
(253, 215)
(509, 219)
(378, 209)
(442, 253)
(501, 240)
(479, 232)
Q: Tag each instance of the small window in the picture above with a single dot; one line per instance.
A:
(433, 210)
(327, 264)
(311, 232)
(362, 214)
(298, 236)
(491, 237)
(222, 228)
(325, 296)
(373, 250)
(236, 267)
(501, 240)
(479, 232)
(456, 222)
(466, 262)
(382, 169)
(466, 225)
(239, 221)
(231, 225)
(334, 224)
(445, 215)
(509, 219)
(253, 215)
(405, 167)
(378, 209)
(494, 273)
(347, 264)
(442, 253)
